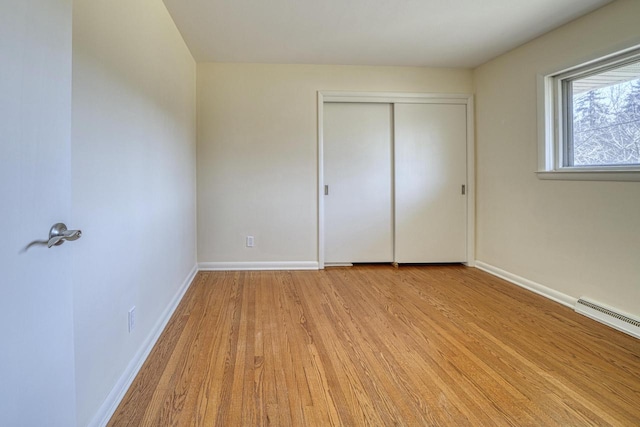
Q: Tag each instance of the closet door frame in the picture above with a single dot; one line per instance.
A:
(393, 98)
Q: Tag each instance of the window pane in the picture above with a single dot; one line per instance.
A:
(606, 118)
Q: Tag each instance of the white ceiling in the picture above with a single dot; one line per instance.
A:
(434, 33)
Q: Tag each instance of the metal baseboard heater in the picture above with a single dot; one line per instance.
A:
(608, 316)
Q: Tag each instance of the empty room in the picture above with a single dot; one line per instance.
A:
(320, 213)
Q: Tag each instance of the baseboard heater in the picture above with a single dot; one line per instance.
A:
(608, 316)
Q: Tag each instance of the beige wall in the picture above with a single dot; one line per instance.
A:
(578, 238)
(133, 178)
(257, 151)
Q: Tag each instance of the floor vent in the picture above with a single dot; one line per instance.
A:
(609, 317)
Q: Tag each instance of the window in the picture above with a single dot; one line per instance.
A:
(592, 121)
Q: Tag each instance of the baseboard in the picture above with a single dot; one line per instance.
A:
(117, 393)
(539, 289)
(233, 266)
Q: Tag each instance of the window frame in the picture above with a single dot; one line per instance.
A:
(555, 118)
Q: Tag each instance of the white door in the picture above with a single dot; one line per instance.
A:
(37, 386)
(358, 172)
(431, 168)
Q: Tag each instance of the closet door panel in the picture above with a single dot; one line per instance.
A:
(430, 170)
(358, 170)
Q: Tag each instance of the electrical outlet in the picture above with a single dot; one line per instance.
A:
(250, 241)
(132, 318)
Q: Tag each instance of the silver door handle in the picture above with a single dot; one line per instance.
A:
(59, 234)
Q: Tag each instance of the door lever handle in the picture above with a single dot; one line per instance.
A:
(59, 234)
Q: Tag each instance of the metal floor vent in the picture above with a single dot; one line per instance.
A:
(609, 317)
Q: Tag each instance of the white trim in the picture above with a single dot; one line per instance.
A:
(395, 97)
(240, 266)
(471, 183)
(320, 181)
(537, 288)
(392, 98)
(567, 174)
(546, 128)
(121, 387)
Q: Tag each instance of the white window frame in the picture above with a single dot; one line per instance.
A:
(551, 123)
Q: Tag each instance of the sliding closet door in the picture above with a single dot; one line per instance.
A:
(431, 169)
(358, 172)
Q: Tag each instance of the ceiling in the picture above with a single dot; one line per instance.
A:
(431, 33)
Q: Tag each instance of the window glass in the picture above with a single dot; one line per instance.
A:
(603, 118)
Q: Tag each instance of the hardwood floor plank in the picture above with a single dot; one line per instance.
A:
(378, 345)
(370, 329)
(403, 311)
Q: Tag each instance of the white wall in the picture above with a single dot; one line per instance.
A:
(257, 151)
(133, 175)
(578, 238)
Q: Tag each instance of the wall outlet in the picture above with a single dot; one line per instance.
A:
(132, 318)
(250, 241)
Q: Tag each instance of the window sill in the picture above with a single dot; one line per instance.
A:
(590, 175)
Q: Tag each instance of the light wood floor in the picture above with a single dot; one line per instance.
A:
(379, 346)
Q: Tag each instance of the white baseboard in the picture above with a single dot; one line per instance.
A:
(233, 266)
(117, 393)
(539, 289)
